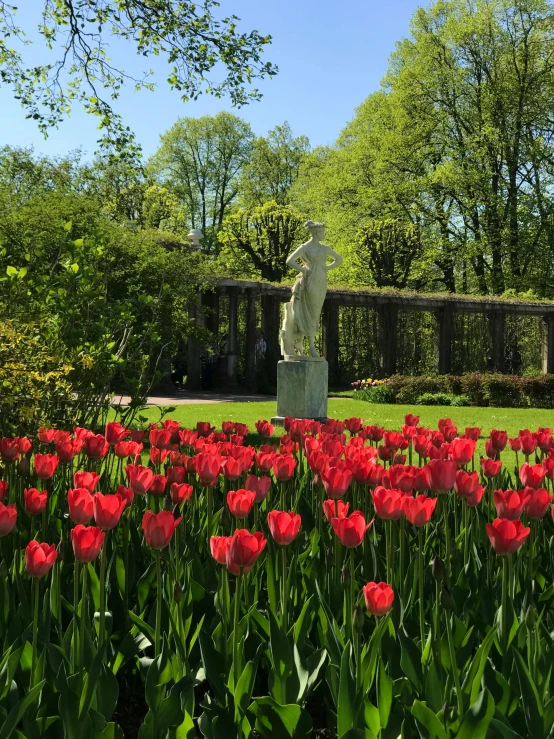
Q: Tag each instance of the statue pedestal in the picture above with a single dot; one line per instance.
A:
(302, 388)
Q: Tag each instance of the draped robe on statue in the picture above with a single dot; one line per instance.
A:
(308, 292)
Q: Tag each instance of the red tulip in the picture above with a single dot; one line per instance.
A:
(243, 550)
(87, 480)
(422, 445)
(354, 425)
(232, 468)
(259, 485)
(351, 529)
(160, 438)
(39, 558)
(241, 429)
(366, 472)
(3, 489)
(284, 526)
(462, 450)
(35, 501)
(506, 536)
(472, 432)
(208, 467)
(81, 505)
(378, 598)
(96, 447)
(108, 510)
(419, 510)
(180, 492)
(422, 479)
(140, 478)
(411, 420)
(115, 432)
(536, 503)
(400, 477)
(335, 509)
(124, 449)
(466, 483)
(45, 465)
(8, 518)
(499, 439)
(240, 502)
(509, 503)
(87, 542)
(490, 451)
(9, 449)
(127, 495)
(544, 440)
(175, 474)
(138, 436)
(531, 475)
(388, 503)
(528, 444)
(491, 467)
(515, 444)
(476, 497)
(548, 467)
(218, 548)
(159, 483)
(443, 475)
(81, 433)
(264, 460)
(265, 429)
(45, 436)
(68, 449)
(204, 428)
(158, 528)
(283, 466)
(336, 481)
(157, 455)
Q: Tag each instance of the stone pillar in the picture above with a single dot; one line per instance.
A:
(251, 326)
(193, 349)
(388, 324)
(211, 318)
(497, 325)
(271, 320)
(232, 346)
(330, 339)
(548, 344)
(445, 334)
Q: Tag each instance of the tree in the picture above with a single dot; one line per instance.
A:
(79, 33)
(273, 167)
(387, 249)
(201, 160)
(265, 235)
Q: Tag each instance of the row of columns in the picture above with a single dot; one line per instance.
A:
(204, 312)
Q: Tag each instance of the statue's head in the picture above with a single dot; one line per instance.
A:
(317, 230)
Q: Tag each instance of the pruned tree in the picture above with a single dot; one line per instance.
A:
(387, 250)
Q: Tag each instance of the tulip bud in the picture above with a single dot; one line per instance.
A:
(358, 619)
(530, 618)
(345, 576)
(446, 599)
(437, 568)
(177, 593)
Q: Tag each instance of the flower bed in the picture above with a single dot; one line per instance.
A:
(340, 580)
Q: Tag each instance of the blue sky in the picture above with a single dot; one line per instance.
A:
(331, 54)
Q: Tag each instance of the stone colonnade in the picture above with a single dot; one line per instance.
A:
(205, 312)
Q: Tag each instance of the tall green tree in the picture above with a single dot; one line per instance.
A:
(273, 166)
(201, 161)
(193, 38)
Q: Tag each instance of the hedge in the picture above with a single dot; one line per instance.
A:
(487, 390)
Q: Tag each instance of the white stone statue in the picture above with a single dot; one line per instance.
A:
(303, 312)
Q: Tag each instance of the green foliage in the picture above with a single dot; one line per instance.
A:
(434, 399)
(386, 251)
(261, 237)
(193, 39)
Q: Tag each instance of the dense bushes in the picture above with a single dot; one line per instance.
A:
(495, 390)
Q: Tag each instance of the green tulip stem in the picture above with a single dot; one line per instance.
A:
(102, 620)
(284, 599)
(504, 605)
(236, 630)
(210, 504)
(466, 533)
(531, 560)
(82, 624)
(158, 605)
(36, 598)
(75, 615)
(350, 613)
(446, 524)
(420, 580)
(453, 665)
(401, 555)
(126, 527)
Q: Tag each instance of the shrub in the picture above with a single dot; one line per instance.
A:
(434, 399)
(378, 394)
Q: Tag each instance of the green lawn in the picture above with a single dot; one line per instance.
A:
(391, 416)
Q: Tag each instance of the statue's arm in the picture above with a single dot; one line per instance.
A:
(293, 262)
(337, 259)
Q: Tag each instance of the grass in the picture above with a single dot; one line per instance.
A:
(390, 416)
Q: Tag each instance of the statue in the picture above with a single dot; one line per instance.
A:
(303, 311)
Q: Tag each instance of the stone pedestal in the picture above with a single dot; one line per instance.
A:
(302, 388)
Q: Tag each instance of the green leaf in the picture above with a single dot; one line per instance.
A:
(472, 680)
(428, 725)
(410, 660)
(281, 654)
(475, 723)
(11, 271)
(11, 721)
(245, 686)
(213, 667)
(531, 704)
(274, 721)
(348, 707)
(384, 695)
(74, 267)
(67, 226)
(186, 730)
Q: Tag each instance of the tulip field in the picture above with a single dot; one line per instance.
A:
(340, 580)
